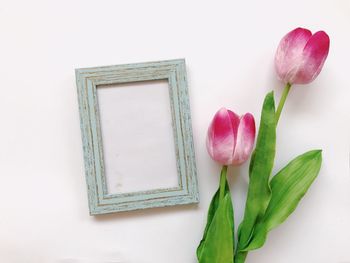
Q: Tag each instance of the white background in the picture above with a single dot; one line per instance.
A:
(229, 48)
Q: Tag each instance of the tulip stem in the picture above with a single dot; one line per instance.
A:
(240, 257)
(222, 183)
(282, 101)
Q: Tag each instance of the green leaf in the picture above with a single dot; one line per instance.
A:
(288, 187)
(261, 164)
(217, 245)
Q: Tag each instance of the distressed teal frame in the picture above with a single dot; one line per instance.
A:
(87, 79)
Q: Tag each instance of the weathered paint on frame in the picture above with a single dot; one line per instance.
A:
(100, 202)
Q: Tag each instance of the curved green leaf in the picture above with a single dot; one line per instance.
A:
(288, 187)
(217, 244)
(261, 163)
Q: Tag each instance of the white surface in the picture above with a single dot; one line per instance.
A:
(137, 136)
(229, 47)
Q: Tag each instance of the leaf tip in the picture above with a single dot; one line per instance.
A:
(318, 153)
(270, 95)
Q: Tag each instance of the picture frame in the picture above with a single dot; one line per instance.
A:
(88, 80)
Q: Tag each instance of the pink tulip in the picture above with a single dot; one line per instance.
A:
(231, 138)
(300, 56)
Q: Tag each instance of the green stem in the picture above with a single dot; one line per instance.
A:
(240, 257)
(222, 183)
(282, 101)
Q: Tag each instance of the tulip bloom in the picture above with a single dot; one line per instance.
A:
(231, 138)
(300, 56)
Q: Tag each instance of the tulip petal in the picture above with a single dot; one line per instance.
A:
(221, 139)
(289, 53)
(245, 139)
(314, 55)
(235, 119)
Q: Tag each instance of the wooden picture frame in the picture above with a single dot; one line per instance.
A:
(87, 80)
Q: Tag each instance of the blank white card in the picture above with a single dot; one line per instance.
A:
(137, 136)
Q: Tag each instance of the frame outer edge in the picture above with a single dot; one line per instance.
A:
(84, 101)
